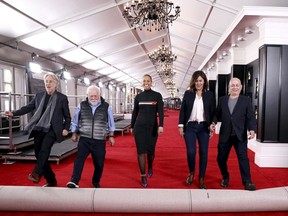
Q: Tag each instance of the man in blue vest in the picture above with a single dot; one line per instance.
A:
(93, 120)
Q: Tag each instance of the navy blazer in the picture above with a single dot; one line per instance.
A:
(242, 118)
(209, 105)
(61, 118)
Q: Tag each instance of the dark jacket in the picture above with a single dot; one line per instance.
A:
(61, 118)
(93, 126)
(241, 120)
(209, 105)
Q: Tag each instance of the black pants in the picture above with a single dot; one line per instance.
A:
(242, 155)
(43, 143)
(98, 150)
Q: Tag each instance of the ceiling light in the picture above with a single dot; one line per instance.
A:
(162, 55)
(166, 72)
(86, 81)
(100, 84)
(149, 14)
(249, 31)
(234, 45)
(34, 67)
(225, 53)
(241, 38)
(65, 74)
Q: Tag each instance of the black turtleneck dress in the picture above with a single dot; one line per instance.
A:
(144, 120)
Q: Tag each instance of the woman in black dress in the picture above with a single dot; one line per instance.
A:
(145, 126)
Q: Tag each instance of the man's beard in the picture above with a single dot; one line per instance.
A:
(94, 103)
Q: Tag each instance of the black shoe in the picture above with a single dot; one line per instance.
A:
(250, 187)
(189, 179)
(72, 185)
(201, 183)
(51, 184)
(96, 185)
(34, 177)
(225, 182)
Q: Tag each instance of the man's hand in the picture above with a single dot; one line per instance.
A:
(65, 132)
(8, 114)
(111, 141)
(160, 130)
(251, 134)
(74, 137)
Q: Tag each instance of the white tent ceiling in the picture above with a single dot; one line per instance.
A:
(92, 36)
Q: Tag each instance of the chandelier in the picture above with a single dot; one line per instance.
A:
(150, 13)
(166, 72)
(162, 55)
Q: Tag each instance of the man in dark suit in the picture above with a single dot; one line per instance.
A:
(50, 122)
(238, 122)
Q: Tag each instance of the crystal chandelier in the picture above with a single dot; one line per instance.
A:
(150, 13)
(166, 72)
(162, 55)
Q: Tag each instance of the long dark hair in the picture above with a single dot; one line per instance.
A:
(194, 78)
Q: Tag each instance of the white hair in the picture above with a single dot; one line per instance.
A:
(93, 87)
(54, 76)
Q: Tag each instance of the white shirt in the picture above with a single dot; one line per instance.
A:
(197, 113)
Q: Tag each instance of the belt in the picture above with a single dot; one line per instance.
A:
(196, 122)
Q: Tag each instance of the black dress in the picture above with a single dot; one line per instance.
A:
(144, 120)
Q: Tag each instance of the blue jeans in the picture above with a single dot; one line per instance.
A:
(201, 133)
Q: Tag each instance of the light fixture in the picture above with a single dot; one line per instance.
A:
(33, 66)
(234, 45)
(65, 74)
(100, 84)
(166, 72)
(249, 30)
(241, 38)
(162, 55)
(150, 13)
(85, 80)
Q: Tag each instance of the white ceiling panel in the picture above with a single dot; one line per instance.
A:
(76, 56)
(48, 41)
(92, 36)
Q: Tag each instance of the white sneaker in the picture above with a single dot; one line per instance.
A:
(72, 185)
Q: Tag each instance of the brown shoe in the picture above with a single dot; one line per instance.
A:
(34, 177)
(190, 178)
(201, 183)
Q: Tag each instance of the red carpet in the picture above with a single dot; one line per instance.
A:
(170, 170)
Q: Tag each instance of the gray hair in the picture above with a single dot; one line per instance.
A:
(93, 87)
(54, 76)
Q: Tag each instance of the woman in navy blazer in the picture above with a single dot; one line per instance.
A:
(238, 122)
(196, 113)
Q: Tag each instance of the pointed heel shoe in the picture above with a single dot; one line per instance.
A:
(144, 180)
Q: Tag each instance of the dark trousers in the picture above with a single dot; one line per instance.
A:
(242, 155)
(97, 148)
(43, 143)
(201, 133)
